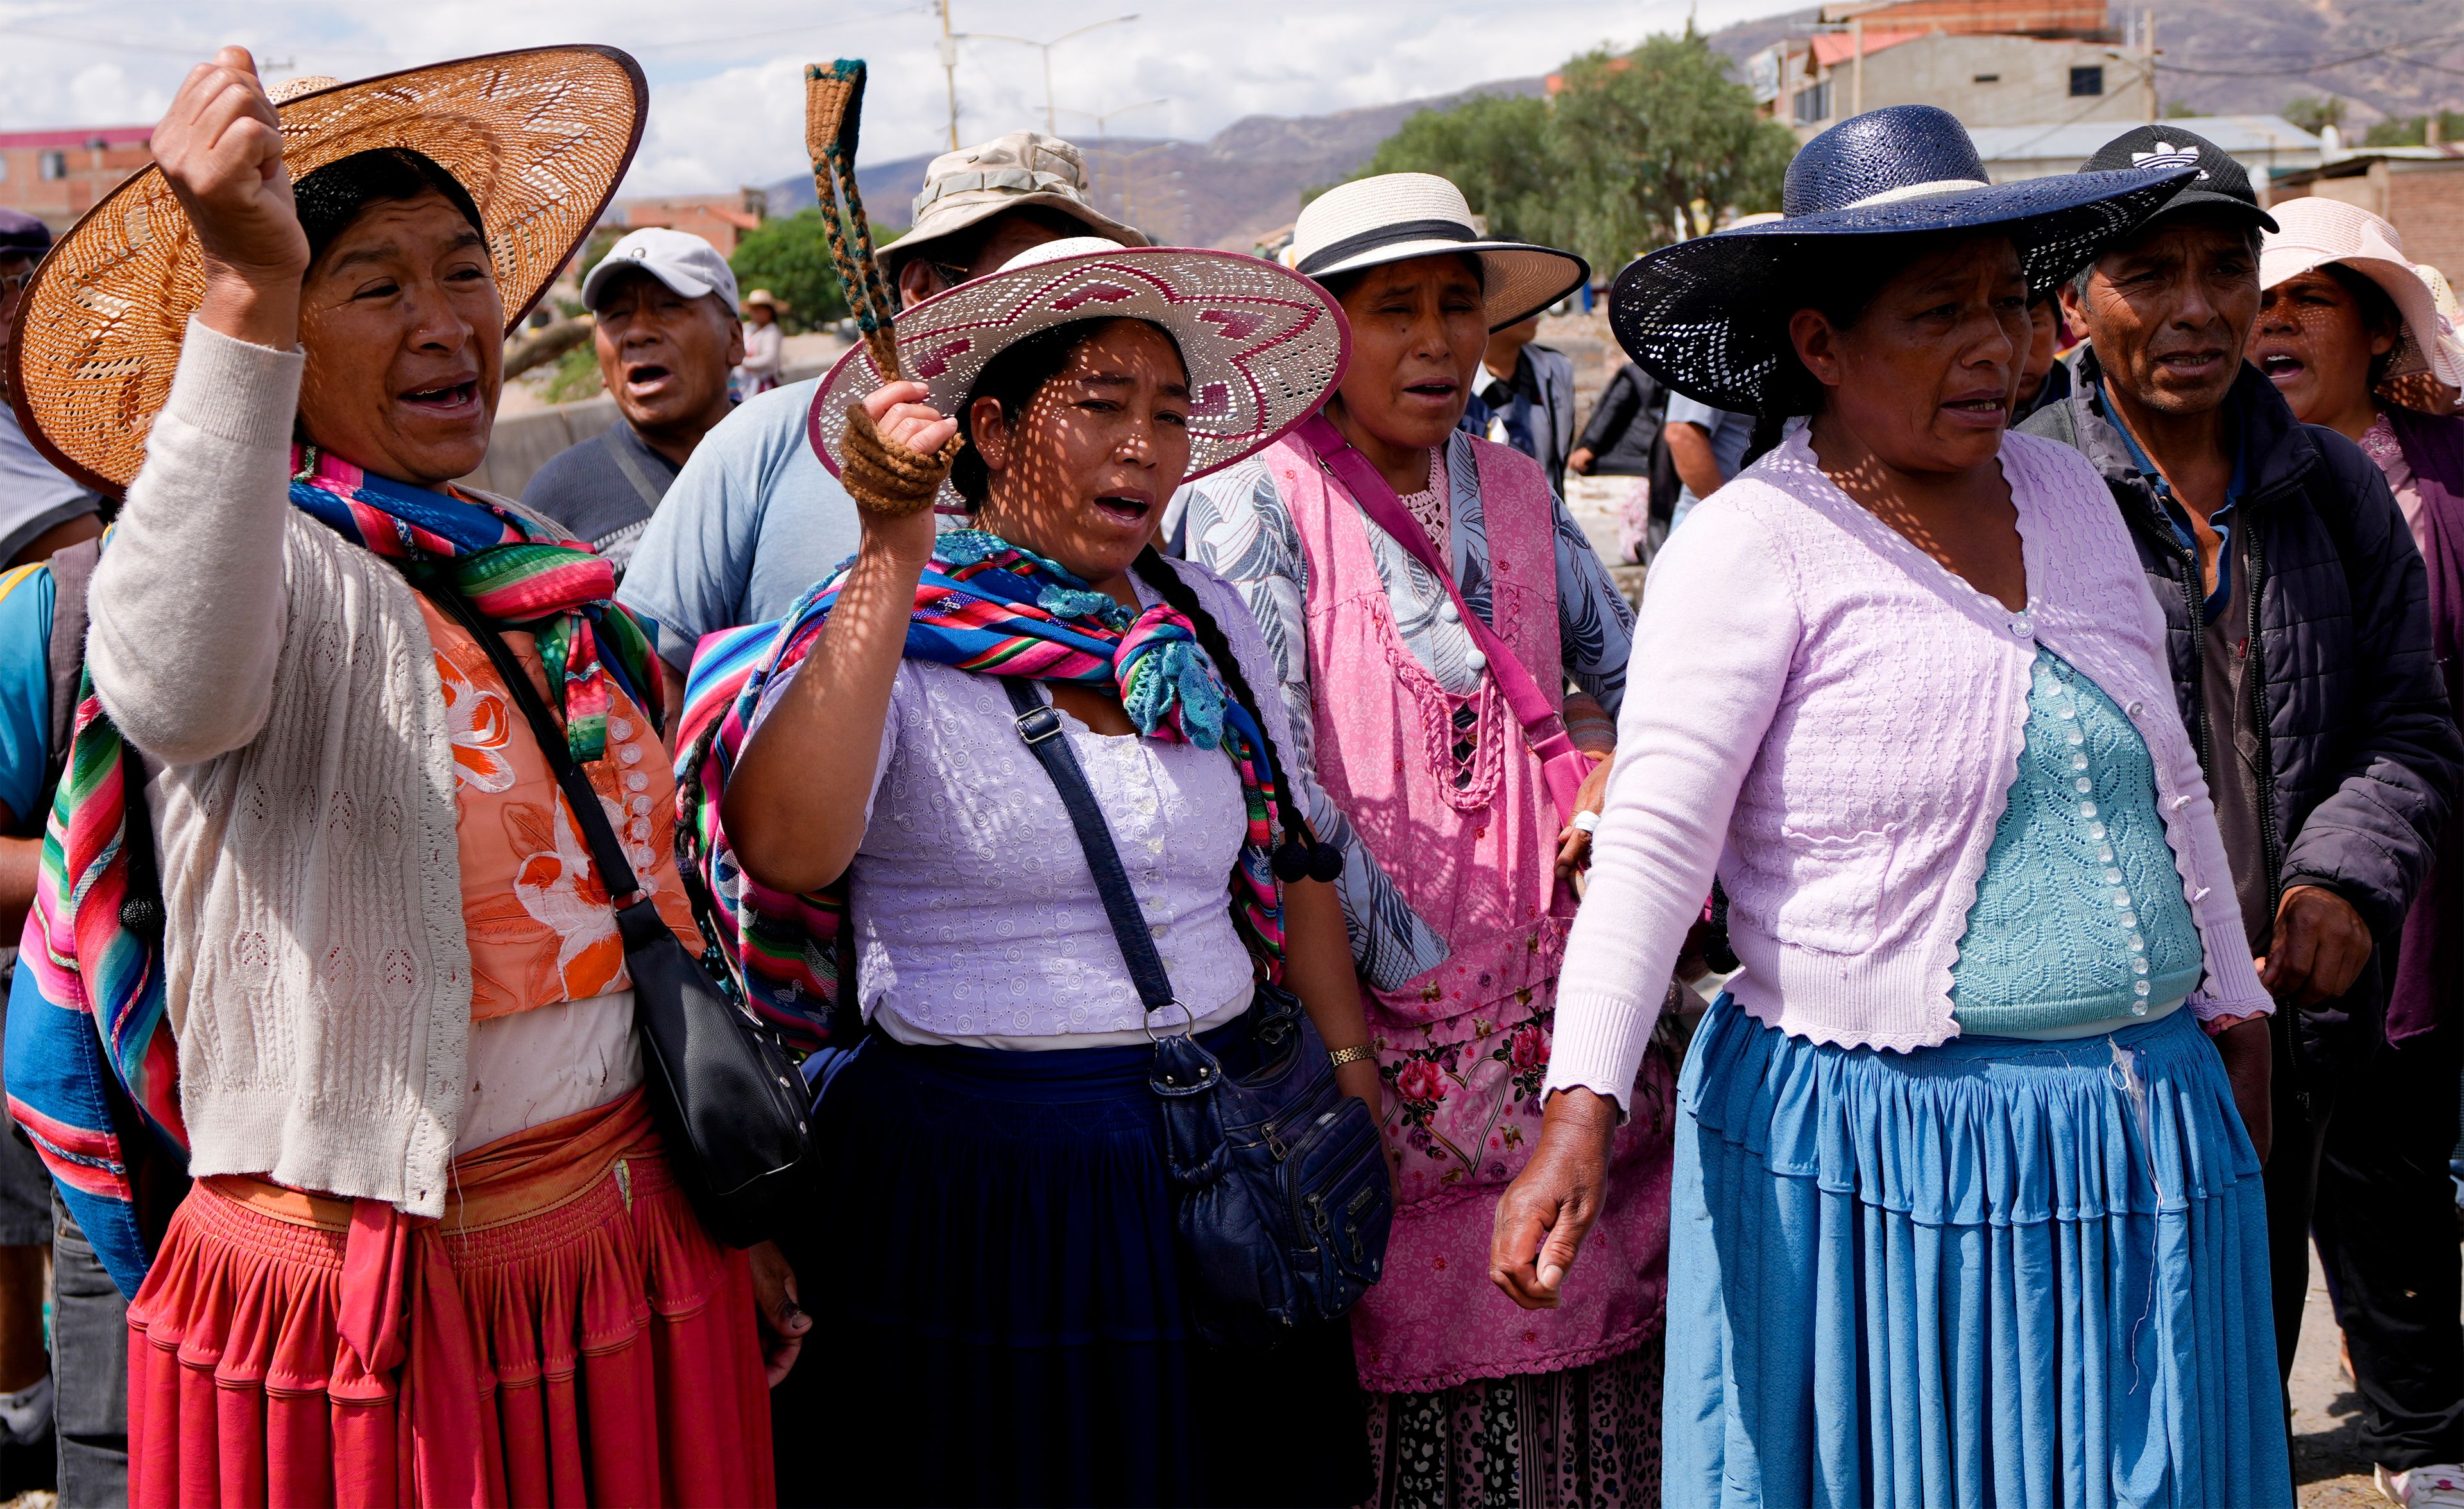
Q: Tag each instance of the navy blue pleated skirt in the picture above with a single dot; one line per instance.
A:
(2031, 1275)
(997, 1308)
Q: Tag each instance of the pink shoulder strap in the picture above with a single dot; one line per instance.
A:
(1562, 765)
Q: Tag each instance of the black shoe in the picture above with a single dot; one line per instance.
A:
(26, 1466)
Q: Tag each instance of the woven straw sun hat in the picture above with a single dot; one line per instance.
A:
(1265, 346)
(539, 138)
(1396, 217)
(1709, 317)
(2312, 232)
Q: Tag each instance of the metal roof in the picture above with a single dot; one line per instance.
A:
(2076, 140)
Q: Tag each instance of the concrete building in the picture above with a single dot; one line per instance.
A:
(2262, 143)
(1989, 62)
(58, 175)
(2423, 197)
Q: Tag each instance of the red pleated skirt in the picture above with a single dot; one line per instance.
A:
(568, 1334)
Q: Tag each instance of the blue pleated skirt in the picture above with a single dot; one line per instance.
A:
(993, 1274)
(1993, 1273)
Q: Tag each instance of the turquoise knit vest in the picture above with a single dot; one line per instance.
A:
(2079, 916)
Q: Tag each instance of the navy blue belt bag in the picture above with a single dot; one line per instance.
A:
(1278, 1177)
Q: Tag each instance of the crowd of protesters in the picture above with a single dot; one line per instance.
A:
(1303, 995)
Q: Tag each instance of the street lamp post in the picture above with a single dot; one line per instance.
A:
(1051, 125)
(1103, 134)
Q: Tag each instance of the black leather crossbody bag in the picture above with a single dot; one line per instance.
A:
(722, 1087)
(1282, 1204)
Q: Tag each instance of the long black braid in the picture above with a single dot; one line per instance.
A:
(1300, 856)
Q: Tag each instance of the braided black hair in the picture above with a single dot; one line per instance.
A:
(1300, 856)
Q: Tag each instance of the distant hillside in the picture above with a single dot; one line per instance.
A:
(1226, 191)
(1248, 179)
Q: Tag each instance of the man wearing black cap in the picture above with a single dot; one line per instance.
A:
(40, 510)
(2296, 604)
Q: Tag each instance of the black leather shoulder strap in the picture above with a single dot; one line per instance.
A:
(1041, 727)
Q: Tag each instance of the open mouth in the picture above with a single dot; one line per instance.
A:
(1979, 406)
(2191, 363)
(2279, 365)
(646, 376)
(446, 400)
(1436, 388)
(1125, 508)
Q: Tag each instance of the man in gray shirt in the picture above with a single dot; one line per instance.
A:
(666, 332)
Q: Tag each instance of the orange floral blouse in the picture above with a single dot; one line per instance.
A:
(540, 926)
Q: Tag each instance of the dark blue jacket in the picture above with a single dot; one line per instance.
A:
(2360, 750)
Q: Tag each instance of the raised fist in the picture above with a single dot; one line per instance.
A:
(221, 149)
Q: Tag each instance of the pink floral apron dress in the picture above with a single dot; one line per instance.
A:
(1456, 812)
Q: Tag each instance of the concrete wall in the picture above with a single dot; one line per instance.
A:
(2027, 81)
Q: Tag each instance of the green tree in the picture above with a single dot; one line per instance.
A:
(2313, 112)
(1495, 150)
(1658, 144)
(791, 257)
(2414, 130)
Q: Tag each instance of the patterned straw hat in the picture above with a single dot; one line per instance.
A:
(1708, 316)
(539, 137)
(1264, 345)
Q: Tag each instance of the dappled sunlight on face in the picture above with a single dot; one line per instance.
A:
(1083, 475)
(403, 331)
(1418, 328)
(2315, 344)
(1924, 378)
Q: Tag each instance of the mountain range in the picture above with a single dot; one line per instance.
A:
(2216, 57)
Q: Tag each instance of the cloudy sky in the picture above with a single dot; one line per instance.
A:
(726, 97)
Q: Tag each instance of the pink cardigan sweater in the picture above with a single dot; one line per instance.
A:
(1826, 713)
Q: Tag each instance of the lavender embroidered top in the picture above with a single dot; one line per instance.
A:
(1830, 718)
(975, 918)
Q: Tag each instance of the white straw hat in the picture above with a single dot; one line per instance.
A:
(2315, 231)
(1394, 217)
(1265, 346)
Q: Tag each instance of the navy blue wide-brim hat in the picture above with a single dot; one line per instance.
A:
(1708, 316)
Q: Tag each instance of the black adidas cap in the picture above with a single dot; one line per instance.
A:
(2222, 184)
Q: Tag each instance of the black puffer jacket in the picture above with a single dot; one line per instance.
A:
(2361, 752)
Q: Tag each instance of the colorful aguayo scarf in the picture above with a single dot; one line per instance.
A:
(984, 606)
(77, 939)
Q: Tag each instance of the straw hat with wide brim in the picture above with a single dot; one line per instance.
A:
(1398, 217)
(766, 299)
(1265, 346)
(2312, 232)
(1709, 317)
(539, 138)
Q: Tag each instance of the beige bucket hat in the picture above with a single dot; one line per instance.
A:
(2314, 232)
(974, 184)
(538, 137)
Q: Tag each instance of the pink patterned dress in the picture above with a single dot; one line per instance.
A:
(1459, 923)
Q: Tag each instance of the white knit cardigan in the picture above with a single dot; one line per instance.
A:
(317, 974)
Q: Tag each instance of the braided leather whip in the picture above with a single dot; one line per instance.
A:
(878, 473)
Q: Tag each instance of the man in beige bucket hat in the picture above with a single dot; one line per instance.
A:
(1021, 189)
(754, 518)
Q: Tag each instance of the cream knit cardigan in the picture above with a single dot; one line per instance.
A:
(317, 972)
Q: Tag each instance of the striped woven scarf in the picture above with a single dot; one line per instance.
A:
(77, 936)
(984, 606)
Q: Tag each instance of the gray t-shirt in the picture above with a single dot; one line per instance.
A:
(604, 490)
(749, 525)
(2234, 756)
(1730, 432)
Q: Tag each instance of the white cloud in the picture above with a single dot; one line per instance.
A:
(727, 99)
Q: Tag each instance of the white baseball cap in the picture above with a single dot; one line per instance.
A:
(678, 259)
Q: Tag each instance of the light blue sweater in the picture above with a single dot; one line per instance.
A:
(2079, 916)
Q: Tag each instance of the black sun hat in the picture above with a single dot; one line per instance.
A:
(2218, 182)
(1708, 316)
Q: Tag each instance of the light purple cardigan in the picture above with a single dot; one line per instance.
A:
(1834, 720)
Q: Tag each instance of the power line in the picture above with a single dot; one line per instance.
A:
(2333, 63)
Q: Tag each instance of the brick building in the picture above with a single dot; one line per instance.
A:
(2423, 197)
(58, 175)
(720, 219)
